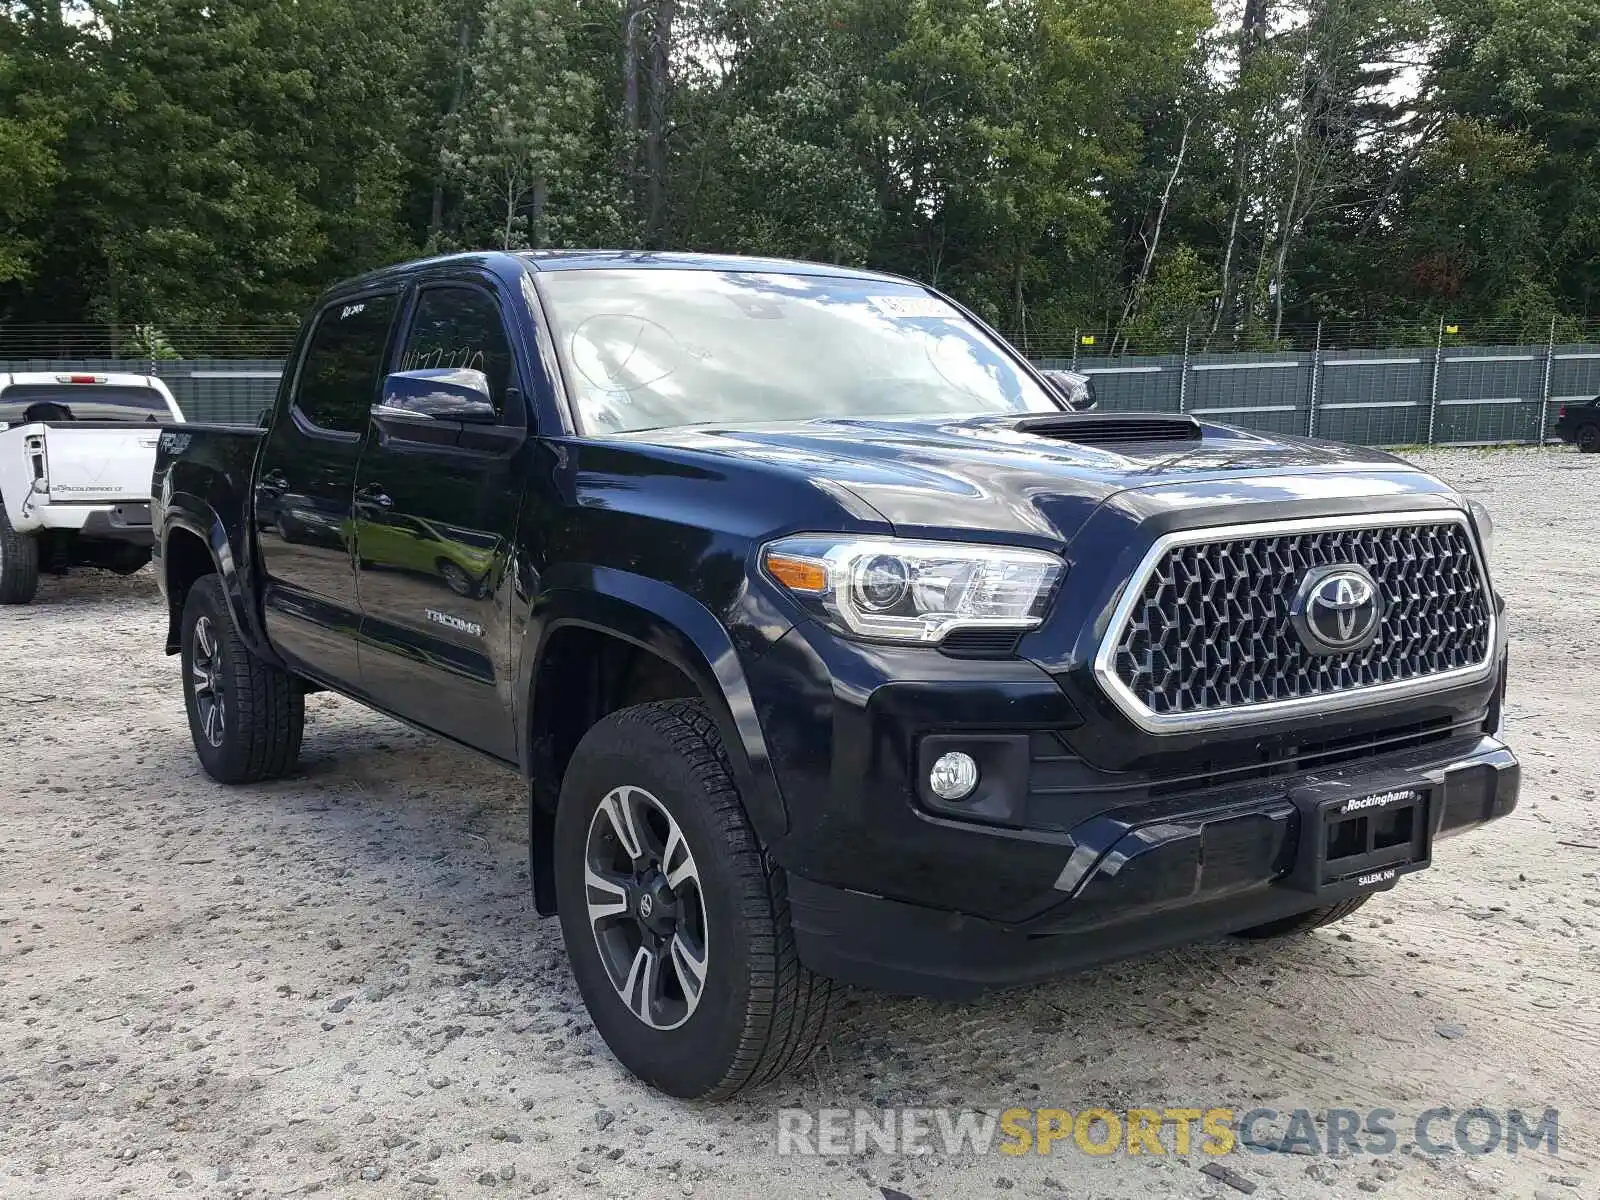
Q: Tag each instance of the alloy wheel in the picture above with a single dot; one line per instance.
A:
(205, 671)
(646, 907)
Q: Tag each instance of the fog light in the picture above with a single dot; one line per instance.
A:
(954, 776)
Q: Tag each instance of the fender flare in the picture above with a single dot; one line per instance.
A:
(200, 520)
(672, 625)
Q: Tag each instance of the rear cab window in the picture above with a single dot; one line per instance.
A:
(61, 403)
(343, 364)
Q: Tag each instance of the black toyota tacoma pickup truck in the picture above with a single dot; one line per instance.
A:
(830, 645)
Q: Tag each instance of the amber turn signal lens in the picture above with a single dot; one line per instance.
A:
(798, 574)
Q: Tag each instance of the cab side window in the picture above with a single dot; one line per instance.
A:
(460, 328)
(343, 364)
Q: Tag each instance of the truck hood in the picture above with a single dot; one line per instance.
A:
(986, 475)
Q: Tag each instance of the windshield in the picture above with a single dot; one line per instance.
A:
(25, 403)
(646, 348)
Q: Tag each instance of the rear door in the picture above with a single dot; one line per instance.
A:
(435, 524)
(305, 480)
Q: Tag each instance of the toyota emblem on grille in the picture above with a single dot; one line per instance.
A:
(1337, 609)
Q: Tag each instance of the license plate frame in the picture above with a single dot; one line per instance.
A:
(1355, 840)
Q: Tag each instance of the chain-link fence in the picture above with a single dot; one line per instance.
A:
(1199, 338)
(1443, 391)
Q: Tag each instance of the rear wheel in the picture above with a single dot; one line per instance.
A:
(19, 563)
(1588, 438)
(246, 715)
(1305, 922)
(676, 927)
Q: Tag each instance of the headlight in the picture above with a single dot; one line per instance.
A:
(905, 591)
(1484, 524)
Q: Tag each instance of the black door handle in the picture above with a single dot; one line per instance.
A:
(373, 494)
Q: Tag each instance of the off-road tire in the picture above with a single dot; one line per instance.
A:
(1587, 438)
(264, 705)
(19, 563)
(1304, 922)
(761, 1012)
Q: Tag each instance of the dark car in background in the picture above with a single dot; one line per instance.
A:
(1579, 424)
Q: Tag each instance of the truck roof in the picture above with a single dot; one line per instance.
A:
(76, 376)
(507, 262)
(588, 260)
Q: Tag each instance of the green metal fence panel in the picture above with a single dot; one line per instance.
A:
(1269, 393)
(1375, 398)
(228, 391)
(1489, 394)
(1391, 397)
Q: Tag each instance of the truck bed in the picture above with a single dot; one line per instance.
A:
(202, 476)
(61, 468)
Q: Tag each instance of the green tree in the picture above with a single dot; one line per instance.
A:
(520, 135)
(1526, 75)
(1056, 164)
(29, 168)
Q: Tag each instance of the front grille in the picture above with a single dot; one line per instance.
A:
(1209, 630)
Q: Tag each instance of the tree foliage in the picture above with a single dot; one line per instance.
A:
(1125, 166)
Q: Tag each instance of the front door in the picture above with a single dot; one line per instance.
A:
(304, 485)
(435, 525)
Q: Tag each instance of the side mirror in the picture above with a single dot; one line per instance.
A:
(436, 395)
(1075, 389)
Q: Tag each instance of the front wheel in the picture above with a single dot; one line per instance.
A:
(246, 716)
(676, 927)
(456, 579)
(1588, 438)
(19, 563)
(1304, 922)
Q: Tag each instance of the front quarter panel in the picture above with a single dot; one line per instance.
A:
(656, 545)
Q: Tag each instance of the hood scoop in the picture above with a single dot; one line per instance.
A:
(1104, 429)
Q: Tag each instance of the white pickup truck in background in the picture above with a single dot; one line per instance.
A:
(77, 452)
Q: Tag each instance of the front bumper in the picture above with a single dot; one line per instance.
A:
(1084, 842)
(1131, 884)
(1091, 835)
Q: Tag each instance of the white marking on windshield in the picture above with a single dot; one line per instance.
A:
(912, 306)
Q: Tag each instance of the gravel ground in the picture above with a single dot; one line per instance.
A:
(335, 983)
